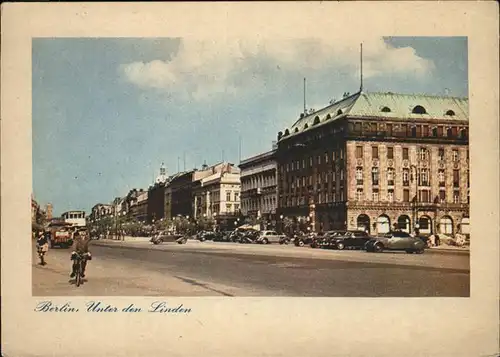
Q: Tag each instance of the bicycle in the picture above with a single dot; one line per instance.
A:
(79, 259)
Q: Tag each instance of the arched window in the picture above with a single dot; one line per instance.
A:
(434, 132)
(450, 113)
(413, 131)
(463, 133)
(296, 130)
(449, 132)
(287, 132)
(306, 126)
(328, 117)
(404, 223)
(446, 225)
(339, 112)
(383, 224)
(464, 226)
(386, 110)
(425, 225)
(363, 223)
(419, 110)
(316, 120)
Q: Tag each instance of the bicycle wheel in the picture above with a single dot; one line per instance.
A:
(78, 276)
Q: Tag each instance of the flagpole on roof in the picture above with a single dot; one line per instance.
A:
(304, 95)
(361, 68)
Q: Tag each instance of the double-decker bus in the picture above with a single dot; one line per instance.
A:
(76, 218)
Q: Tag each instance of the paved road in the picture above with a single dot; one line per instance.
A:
(228, 269)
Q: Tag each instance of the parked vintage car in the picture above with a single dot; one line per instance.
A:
(267, 237)
(396, 240)
(249, 236)
(324, 240)
(205, 235)
(304, 239)
(164, 236)
(354, 239)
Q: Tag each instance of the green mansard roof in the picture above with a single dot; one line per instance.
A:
(386, 105)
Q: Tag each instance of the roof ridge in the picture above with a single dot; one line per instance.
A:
(417, 95)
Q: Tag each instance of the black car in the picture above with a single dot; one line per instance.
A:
(303, 239)
(326, 240)
(350, 239)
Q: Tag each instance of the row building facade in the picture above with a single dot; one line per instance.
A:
(375, 161)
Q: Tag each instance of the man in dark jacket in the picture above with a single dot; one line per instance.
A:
(81, 246)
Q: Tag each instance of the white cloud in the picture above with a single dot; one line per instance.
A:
(202, 68)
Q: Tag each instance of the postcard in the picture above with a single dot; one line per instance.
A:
(250, 179)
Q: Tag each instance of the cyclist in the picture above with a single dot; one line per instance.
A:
(81, 246)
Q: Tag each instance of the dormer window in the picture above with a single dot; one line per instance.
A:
(339, 112)
(386, 110)
(296, 130)
(306, 126)
(316, 120)
(419, 110)
(287, 132)
(450, 113)
(328, 117)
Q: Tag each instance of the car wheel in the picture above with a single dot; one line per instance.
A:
(409, 251)
(420, 251)
(378, 248)
(301, 243)
(340, 246)
(265, 241)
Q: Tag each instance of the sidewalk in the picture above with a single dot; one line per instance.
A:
(450, 249)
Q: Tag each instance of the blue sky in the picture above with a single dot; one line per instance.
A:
(108, 112)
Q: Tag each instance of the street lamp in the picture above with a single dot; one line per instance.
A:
(414, 203)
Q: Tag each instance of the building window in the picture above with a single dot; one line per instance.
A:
(359, 175)
(441, 154)
(424, 196)
(375, 195)
(441, 178)
(419, 110)
(236, 196)
(228, 196)
(426, 130)
(390, 195)
(359, 194)
(406, 177)
(236, 208)
(341, 174)
(287, 167)
(406, 195)
(424, 177)
(303, 163)
(319, 159)
(442, 196)
(374, 152)
(390, 152)
(389, 129)
(390, 176)
(456, 155)
(326, 158)
(423, 154)
(449, 132)
(310, 161)
(456, 196)
(228, 208)
(456, 178)
(375, 176)
(359, 152)
(434, 132)
(406, 156)
(413, 131)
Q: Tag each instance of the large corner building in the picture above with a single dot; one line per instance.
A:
(375, 161)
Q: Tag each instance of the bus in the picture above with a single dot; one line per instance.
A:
(75, 218)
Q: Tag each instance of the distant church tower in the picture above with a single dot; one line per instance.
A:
(48, 211)
(162, 177)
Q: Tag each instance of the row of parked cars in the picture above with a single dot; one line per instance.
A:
(395, 240)
(348, 239)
